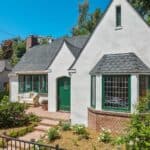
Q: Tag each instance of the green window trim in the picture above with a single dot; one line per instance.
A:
(118, 16)
(31, 83)
(118, 109)
(93, 91)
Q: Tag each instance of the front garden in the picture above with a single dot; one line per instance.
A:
(14, 122)
(78, 137)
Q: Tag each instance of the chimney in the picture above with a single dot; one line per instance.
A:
(31, 41)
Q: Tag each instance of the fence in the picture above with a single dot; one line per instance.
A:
(8, 143)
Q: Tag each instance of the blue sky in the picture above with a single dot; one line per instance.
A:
(41, 17)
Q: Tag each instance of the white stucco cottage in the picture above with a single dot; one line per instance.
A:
(98, 78)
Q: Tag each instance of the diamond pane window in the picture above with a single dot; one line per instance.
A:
(116, 92)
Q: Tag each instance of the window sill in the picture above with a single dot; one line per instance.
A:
(110, 113)
(119, 28)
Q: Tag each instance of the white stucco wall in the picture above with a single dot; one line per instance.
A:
(134, 36)
(13, 83)
(59, 68)
(134, 91)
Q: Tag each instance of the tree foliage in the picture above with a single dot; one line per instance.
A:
(19, 48)
(86, 21)
(6, 49)
(143, 7)
(138, 136)
(13, 49)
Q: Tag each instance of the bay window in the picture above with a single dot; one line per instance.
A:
(116, 92)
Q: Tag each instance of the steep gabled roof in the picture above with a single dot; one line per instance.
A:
(40, 57)
(120, 63)
(72, 65)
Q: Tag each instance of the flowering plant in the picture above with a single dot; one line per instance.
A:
(105, 136)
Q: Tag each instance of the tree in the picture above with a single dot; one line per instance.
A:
(1, 53)
(143, 7)
(86, 21)
(7, 49)
(19, 48)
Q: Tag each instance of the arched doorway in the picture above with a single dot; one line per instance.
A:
(63, 93)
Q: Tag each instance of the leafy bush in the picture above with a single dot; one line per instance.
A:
(105, 136)
(2, 94)
(13, 133)
(4, 100)
(13, 115)
(65, 126)
(139, 128)
(81, 131)
(3, 144)
(33, 118)
(119, 141)
(53, 134)
(21, 131)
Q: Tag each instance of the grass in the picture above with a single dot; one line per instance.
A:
(70, 141)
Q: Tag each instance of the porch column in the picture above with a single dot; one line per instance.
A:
(134, 91)
(52, 104)
(14, 87)
(99, 92)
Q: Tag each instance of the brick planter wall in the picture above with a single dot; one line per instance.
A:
(110, 120)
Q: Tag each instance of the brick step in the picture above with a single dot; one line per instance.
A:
(42, 128)
(48, 122)
(53, 118)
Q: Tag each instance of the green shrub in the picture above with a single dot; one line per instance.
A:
(13, 133)
(21, 131)
(3, 144)
(81, 131)
(2, 94)
(53, 134)
(120, 140)
(13, 115)
(30, 128)
(33, 118)
(4, 100)
(65, 126)
(105, 136)
(138, 135)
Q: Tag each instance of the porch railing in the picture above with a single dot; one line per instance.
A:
(9, 143)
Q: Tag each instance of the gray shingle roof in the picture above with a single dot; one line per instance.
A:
(77, 41)
(74, 50)
(120, 63)
(39, 58)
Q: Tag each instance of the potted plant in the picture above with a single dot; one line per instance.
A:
(44, 104)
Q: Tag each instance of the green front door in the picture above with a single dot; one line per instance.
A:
(63, 87)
